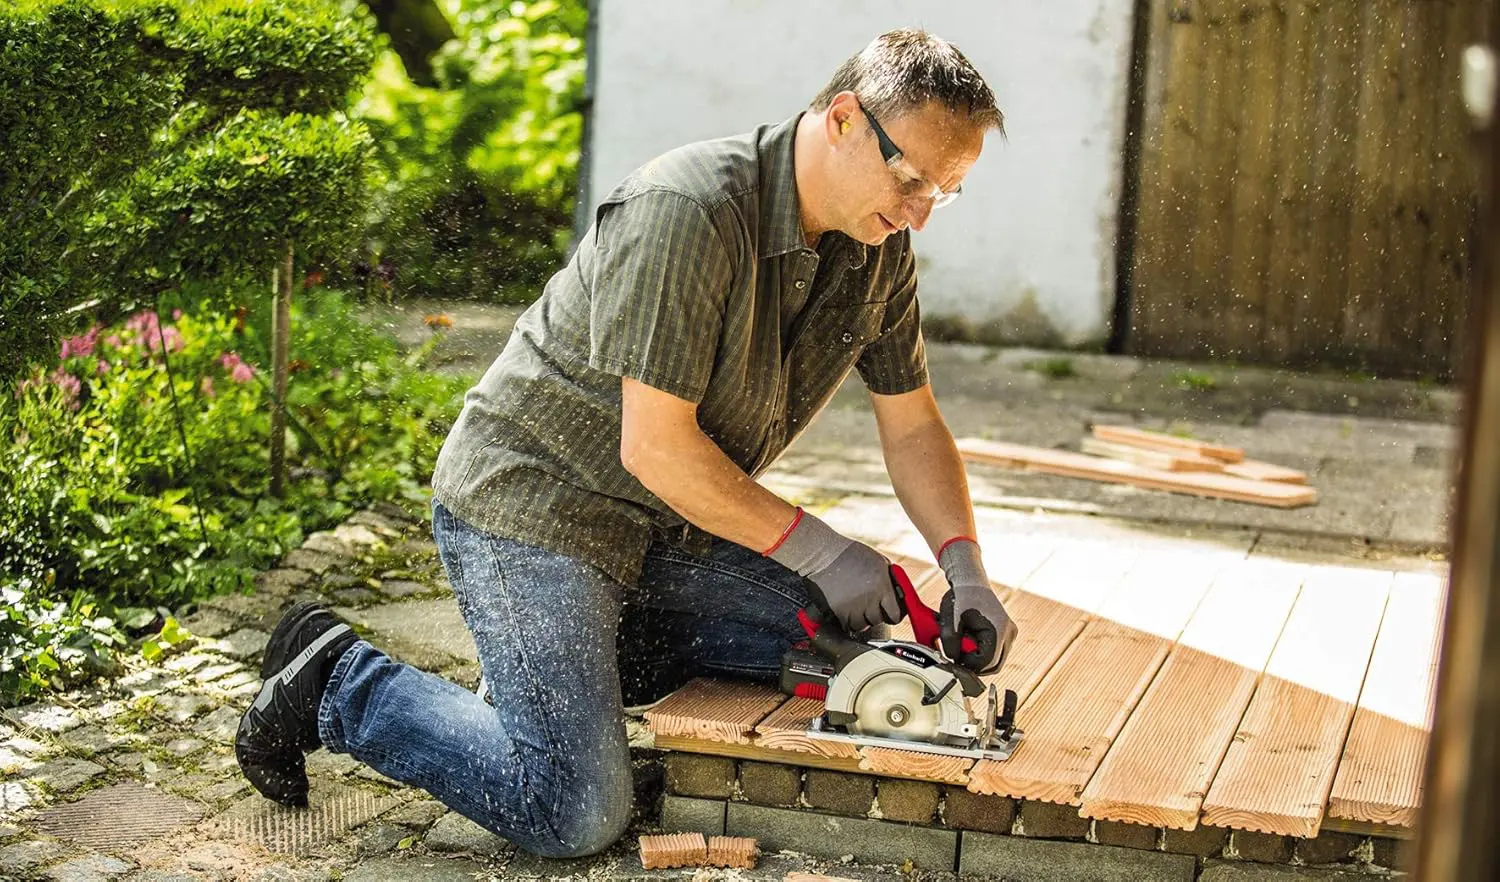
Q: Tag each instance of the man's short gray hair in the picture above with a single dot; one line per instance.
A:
(904, 69)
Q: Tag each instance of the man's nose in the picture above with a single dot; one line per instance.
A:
(917, 212)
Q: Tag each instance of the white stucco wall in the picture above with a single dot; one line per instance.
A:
(1027, 254)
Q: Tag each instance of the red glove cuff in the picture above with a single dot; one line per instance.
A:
(944, 546)
(784, 533)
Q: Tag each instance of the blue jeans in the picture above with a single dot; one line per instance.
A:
(547, 766)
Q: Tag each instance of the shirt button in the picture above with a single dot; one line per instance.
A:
(848, 337)
(801, 283)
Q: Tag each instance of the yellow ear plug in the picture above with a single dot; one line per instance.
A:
(844, 126)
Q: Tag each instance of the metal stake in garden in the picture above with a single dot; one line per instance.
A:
(281, 335)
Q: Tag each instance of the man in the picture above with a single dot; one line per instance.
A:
(595, 507)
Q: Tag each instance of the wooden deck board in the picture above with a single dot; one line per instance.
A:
(1277, 774)
(1112, 662)
(1160, 767)
(714, 710)
(1380, 776)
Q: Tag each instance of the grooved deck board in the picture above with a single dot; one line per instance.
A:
(1112, 662)
(1380, 776)
(896, 763)
(1277, 774)
(714, 710)
(1052, 606)
(1079, 465)
(786, 729)
(1164, 760)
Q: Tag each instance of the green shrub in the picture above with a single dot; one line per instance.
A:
(104, 506)
(478, 177)
(109, 104)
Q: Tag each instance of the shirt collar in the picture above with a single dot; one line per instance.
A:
(780, 215)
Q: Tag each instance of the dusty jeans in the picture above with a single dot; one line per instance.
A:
(547, 766)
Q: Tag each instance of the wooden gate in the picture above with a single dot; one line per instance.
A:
(1306, 185)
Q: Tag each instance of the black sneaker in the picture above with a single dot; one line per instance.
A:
(282, 723)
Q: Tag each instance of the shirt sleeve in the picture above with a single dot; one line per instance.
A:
(897, 361)
(660, 282)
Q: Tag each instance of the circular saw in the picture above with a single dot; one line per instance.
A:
(897, 693)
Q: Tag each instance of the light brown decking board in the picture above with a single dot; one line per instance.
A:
(1165, 690)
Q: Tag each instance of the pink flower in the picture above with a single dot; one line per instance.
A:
(83, 344)
(103, 367)
(176, 314)
(229, 360)
(207, 387)
(69, 385)
(242, 373)
(114, 341)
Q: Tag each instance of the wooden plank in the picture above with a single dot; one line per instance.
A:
(1255, 25)
(1078, 465)
(664, 850)
(1255, 470)
(714, 710)
(1161, 765)
(1369, 227)
(1157, 459)
(760, 754)
(1075, 714)
(738, 852)
(785, 729)
(1163, 247)
(896, 763)
(1380, 776)
(1218, 149)
(1162, 441)
(1287, 285)
(1276, 776)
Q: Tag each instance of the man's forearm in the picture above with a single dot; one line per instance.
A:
(928, 476)
(693, 476)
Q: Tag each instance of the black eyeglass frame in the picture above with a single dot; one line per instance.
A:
(894, 157)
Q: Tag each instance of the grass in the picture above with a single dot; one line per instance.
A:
(1057, 367)
(1196, 380)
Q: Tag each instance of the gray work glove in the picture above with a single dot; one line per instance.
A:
(971, 610)
(851, 580)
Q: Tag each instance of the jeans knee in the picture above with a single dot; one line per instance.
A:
(587, 822)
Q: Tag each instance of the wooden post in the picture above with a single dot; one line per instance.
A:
(281, 335)
(1460, 807)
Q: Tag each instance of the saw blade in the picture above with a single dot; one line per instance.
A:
(889, 705)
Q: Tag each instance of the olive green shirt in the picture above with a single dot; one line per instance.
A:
(695, 279)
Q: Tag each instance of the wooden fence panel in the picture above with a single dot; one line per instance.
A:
(1305, 184)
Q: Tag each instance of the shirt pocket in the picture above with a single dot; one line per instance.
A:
(851, 326)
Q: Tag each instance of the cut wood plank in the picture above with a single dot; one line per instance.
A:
(1255, 470)
(1075, 714)
(714, 710)
(759, 754)
(786, 730)
(1166, 460)
(738, 852)
(1380, 776)
(1276, 776)
(1079, 465)
(666, 850)
(896, 763)
(1163, 441)
(1161, 765)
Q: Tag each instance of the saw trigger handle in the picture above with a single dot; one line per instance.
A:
(924, 620)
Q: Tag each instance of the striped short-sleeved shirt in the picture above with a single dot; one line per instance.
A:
(695, 279)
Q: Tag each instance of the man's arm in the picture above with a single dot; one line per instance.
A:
(925, 467)
(663, 447)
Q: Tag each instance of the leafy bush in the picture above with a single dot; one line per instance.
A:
(478, 177)
(111, 104)
(105, 505)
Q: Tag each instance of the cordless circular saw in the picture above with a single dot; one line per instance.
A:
(898, 693)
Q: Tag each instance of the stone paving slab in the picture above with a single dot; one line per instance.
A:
(430, 634)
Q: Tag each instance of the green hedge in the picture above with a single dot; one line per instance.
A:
(112, 105)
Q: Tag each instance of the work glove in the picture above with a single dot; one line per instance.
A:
(971, 610)
(851, 581)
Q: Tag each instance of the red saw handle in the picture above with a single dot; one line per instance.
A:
(924, 622)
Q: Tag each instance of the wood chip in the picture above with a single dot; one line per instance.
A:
(667, 850)
(738, 852)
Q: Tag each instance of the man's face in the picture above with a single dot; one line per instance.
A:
(876, 196)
